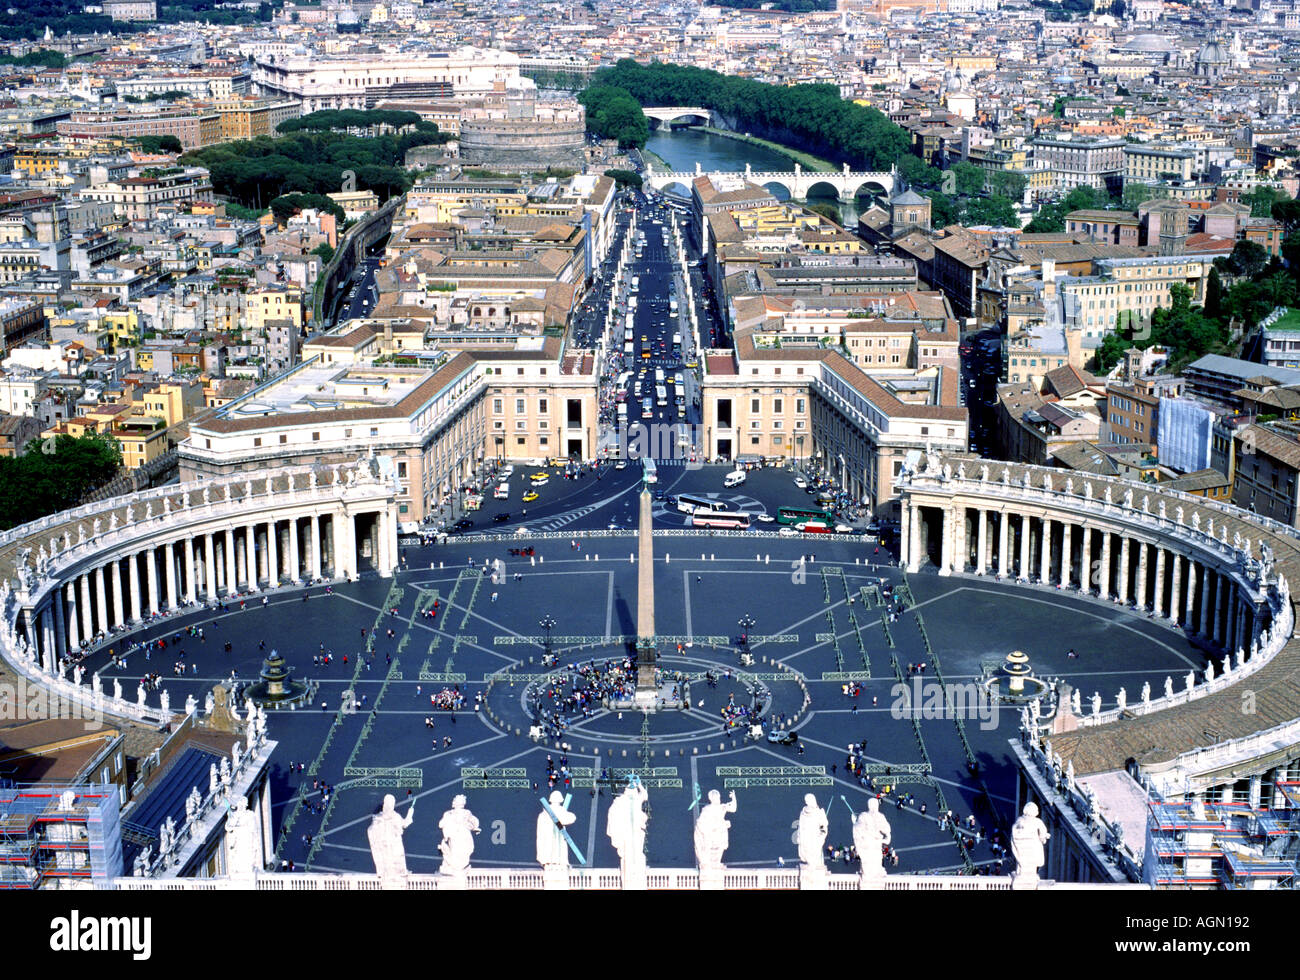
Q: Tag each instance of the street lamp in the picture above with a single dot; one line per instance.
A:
(547, 623)
(746, 623)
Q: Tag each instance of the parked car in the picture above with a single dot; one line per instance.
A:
(788, 532)
(783, 738)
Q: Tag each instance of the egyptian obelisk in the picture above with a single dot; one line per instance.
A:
(646, 688)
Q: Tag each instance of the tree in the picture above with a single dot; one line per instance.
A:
(625, 178)
(287, 205)
(326, 252)
(1214, 295)
(829, 211)
(612, 113)
(1007, 183)
(1261, 200)
(53, 475)
(996, 211)
(970, 179)
(1051, 217)
(159, 144)
(1247, 259)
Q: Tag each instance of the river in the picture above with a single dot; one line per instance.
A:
(683, 148)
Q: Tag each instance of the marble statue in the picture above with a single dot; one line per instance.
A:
(1107, 496)
(1128, 499)
(1146, 692)
(311, 480)
(243, 841)
(625, 826)
(212, 780)
(1047, 482)
(984, 473)
(871, 835)
(130, 514)
(112, 521)
(1069, 484)
(96, 684)
(1076, 701)
(78, 672)
(1236, 540)
(224, 769)
(141, 863)
(148, 510)
(139, 696)
(95, 527)
(165, 702)
(947, 472)
(193, 804)
(1121, 699)
(712, 831)
(191, 704)
(236, 756)
(1029, 837)
(385, 835)
(209, 703)
(1209, 671)
(207, 496)
(458, 828)
(961, 471)
(1087, 491)
(552, 848)
(1169, 686)
(81, 534)
(229, 496)
(166, 836)
(248, 489)
(1196, 520)
(811, 834)
(117, 689)
(1006, 475)
(167, 505)
(1178, 514)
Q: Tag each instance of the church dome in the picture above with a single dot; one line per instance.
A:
(1213, 53)
(1148, 44)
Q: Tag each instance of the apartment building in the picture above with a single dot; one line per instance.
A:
(1077, 161)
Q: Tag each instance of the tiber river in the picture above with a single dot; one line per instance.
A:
(682, 148)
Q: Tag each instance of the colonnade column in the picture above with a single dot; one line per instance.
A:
(982, 548)
(945, 541)
(151, 574)
(1004, 543)
(87, 623)
(960, 541)
(232, 581)
(1045, 554)
(1104, 591)
(272, 556)
(1122, 583)
(1176, 588)
(70, 615)
(60, 627)
(191, 583)
(1140, 599)
(101, 600)
(1158, 600)
(250, 556)
(1023, 570)
(1234, 610)
(904, 535)
(913, 551)
(385, 549)
(133, 586)
(1067, 555)
(1085, 560)
(169, 556)
(1189, 616)
(210, 565)
(295, 560)
(119, 609)
(1207, 581)
(314, 531)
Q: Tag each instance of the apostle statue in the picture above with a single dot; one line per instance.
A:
(871, 835)
(625, 825)
(1028, 839)
(712, 831)
(458, 828)
(811, 834)
(552, 845)
(385, 834)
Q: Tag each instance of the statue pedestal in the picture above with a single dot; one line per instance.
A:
(1026, 883)
(711, 880)
(634, 880)
(555, 878)
(395, 883)
(814, 879)
(453, 882)
(872, 881)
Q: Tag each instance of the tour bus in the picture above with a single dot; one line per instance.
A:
(661, 395)
(677, 342)
(737, 520)
(631, 303)
(628, 323)
(647, 408)
(627, 348)
(627, 336)
(659, 376)
(645, 348)
(636, 283)
(800, 515)
(689, 503)
(648, 468)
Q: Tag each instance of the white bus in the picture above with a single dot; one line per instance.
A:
(631, 302)
(627, 323)
(648, 469)
(738, 520)
(636, 283)
(661, 395)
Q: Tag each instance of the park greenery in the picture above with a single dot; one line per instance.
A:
(625, 178)
(613, 114)
(1051, 217)
(158, 144)
(53, 475)
(358, 121)
(29, 18)
(811, 118)
(789, 6)
(287, 205)
(255, 172)
(966, 194)
(41, 58)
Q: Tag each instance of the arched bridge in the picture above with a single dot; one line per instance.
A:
(797, 183)
(674, 113)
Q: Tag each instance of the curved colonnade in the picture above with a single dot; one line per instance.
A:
(1217, 573)
(74, 579)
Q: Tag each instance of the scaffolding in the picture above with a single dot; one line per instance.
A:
(47, 842)
(1229, 846)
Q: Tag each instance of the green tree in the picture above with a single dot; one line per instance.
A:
(287, 205)
(970, 179)
(625, 178)
(612, 113)
(1261, 199)
(829, 211)
(1214, 295)
(159, 144)
(326, 252)
(996, 211)
(53, 475)
(1247, 259)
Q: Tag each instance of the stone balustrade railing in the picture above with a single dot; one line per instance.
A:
(657, 879)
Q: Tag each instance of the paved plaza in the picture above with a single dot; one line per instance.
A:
(817, 625)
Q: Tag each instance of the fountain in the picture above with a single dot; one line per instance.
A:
(276, 688)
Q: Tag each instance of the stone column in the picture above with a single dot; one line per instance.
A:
(1207, 581)
(210, 565)
(87, 622)
(914, 552)
(1085, 561)
(119, 607)
(1158, 590)
(1175, 588)
(232, 577)
(1023, 571)
(314, 532)
(151, 576)
(344, 550)
(133, 586)
(1004, 543)
(250, 557)
(1189, 611)
(904, 535)
(384, 530)
(191, 576)
(1104, 590)
(1234, 610)
(982, 549)
(1255, 783)
(946, 542)
(1122, 583)
(272, 555)
(70, 615)
(961, 541)
(169, 556)
(1045, 554)
(1140, 599)
(60, 626)
(295, 561)
(1067, 554)
(101, 600)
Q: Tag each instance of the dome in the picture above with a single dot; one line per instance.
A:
(1148, 43)
(1213, 53)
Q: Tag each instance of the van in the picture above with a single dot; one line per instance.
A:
(502, 492)
(734, 479)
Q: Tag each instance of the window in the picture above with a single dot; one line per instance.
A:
(776, 405)
(283, 440)
(497, 408)
(401, 469)
(519, 406)
(541, 405)
(257, 441)
(520, 441)
(799, 406)
(315, 437)
(754, 405)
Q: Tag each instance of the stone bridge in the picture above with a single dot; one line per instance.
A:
(846, 183)
(672, 113)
